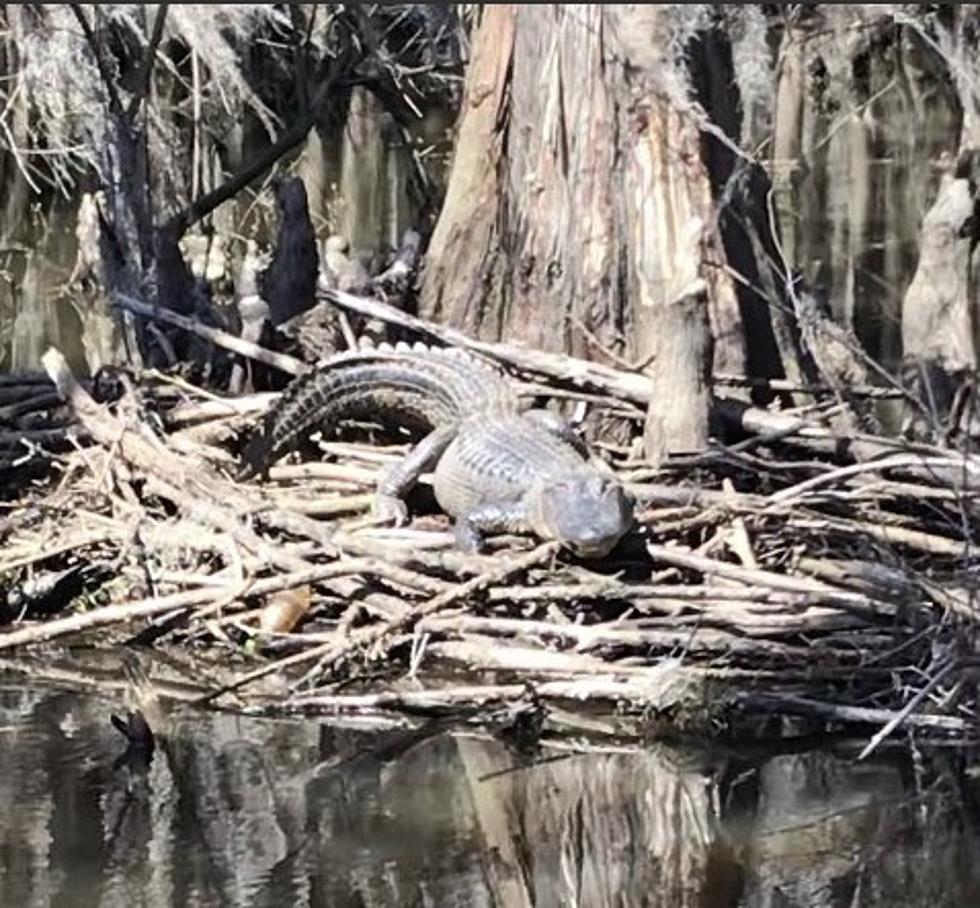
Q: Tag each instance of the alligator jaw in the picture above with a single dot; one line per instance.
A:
(592, 550)
(588, 548)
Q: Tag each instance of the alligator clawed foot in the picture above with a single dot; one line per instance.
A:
(468, 538)
(390, 510)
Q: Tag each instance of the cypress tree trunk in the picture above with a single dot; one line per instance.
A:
(579, 214)
(617, 163)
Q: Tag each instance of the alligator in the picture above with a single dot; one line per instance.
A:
(497, 464)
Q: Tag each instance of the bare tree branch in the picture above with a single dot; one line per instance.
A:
(115, 105)
(203, 206)
(146, 67)
(301, 32)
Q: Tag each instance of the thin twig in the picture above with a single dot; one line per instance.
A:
(146, 65)
(115, 105)
(906, 711)
(330, 652)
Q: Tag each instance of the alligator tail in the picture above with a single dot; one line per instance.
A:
(419, 388)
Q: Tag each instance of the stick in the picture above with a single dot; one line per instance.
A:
(890, 535)
(125, 612)
(187, 414)
(905, 712)
(477, 651)
(713, 568)
(646, 689)
(288, 364)
(786, 703)
(329, 471)
(696, 640)
(635, 388)
(38, 401)
(331, 652)
(24, 378)
(694, 595)
(330, 506)
(786, 495)
(782, 384)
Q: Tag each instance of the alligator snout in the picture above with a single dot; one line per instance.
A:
(596, 540)
(593, 543)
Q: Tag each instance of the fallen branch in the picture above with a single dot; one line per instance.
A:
(905, 712)
(781, 384)
(801, 706)
(330, 653)
(578, 372)
(147, 608)
(281, 361)
(711, 567)
(659, 687)
(484, 656)
(37, 401)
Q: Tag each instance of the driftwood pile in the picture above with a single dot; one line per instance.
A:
(794, 572)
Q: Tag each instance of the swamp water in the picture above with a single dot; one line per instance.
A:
(243, 811)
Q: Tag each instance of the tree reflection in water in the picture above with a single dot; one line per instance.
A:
(239, 811)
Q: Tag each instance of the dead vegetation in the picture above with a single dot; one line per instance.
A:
(806, 566)
(796, 571)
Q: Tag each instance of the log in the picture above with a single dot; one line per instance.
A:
(657, 688)
(557, 366)
(40, 400)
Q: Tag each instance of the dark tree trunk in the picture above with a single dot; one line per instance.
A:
(127, 231)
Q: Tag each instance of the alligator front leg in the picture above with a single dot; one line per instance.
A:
(398, 480)
(489, 518)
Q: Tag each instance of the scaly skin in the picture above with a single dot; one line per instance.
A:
(495, 467)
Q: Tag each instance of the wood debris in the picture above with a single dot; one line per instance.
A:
(795, 572)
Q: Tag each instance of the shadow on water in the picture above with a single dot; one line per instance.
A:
(244, 811)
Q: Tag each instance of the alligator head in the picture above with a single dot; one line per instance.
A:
(586, 511)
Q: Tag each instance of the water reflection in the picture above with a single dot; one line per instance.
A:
(242, 811)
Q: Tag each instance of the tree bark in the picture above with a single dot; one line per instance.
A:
(579, 211)
(677, 422)
(464, 240)
(937, 314)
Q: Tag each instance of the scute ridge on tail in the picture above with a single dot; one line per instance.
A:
(420, 383)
